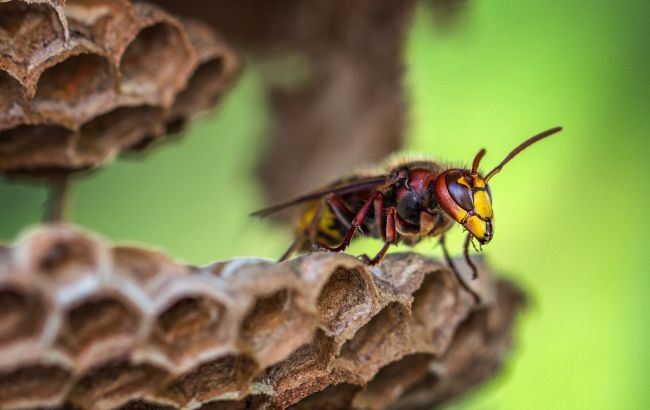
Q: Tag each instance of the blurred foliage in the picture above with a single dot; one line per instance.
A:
(570, 212)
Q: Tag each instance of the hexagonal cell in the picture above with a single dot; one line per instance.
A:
(306, 370)
(332, 397)
(60, 254)
(216, 66)
(74, 90)
(227, 376)
(345, 302)
(29, 35)
(142, 72)
(275, 327)
(382, 340)
(29, 147)
(98, 328)
(22, 315)
(437, 309)
(37, 386)
(202, 92)
(189, 326)
(143, 265)
(123, 127)
(115, 384)
(392, 381)
(11, 101)
(109, 24)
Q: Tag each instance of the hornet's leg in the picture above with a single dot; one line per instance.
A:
(391, 237)
(308, 233)
(379, 217)
(356, 224)
(468, 239)
(295, 245)
(341, 210)
(452, 266)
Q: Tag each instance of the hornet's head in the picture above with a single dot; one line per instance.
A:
(465, 195)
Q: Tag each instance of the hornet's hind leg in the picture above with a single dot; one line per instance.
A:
(357, 222)
(309, 233)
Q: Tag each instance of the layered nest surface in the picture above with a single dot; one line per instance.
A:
(87, 325)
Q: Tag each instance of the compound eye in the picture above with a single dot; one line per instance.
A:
(460, 193)
(489, 191)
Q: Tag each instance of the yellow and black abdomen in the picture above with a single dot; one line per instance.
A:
(319, 224)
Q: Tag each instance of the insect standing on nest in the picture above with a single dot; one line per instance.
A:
(410, 201)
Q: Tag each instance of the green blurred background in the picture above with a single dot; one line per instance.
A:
(570, 212)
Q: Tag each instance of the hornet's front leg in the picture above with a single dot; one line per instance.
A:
(452, 266)
(391, 238)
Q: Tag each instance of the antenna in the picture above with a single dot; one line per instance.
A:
(530, 141)
(477, 160)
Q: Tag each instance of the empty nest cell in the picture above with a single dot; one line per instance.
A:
(35, 386)
(121, 128)
(98, 328)
(22, 315)
(190, 325)
(116, 383)
(143, 265)
(61, 254)
(305, 371)
(74, 90)
(202, 92)
(154, 62)
(275, 327)
(382, 340)
(30, 147)
(30, 33)
(345, 302)
(226, 378)
(110, 24)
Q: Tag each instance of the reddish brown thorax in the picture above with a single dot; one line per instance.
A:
(415, 198)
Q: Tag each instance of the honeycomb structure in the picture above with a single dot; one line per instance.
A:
(83, 80)
(86, 325)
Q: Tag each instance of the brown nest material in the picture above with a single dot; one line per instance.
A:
(86, 325)
(83, 80)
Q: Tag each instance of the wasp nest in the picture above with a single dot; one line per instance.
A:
(88, 326)
(83, 80)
